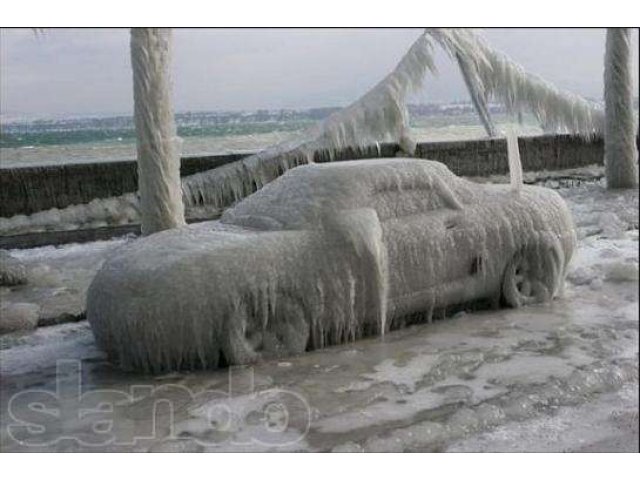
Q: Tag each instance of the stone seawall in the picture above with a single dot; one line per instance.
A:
(31, 189)
(489, 156)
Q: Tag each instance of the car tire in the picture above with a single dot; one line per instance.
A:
(288, 331)
(531, 276)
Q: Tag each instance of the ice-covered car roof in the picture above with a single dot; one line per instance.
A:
(304, 195)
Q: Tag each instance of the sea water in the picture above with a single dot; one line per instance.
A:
(101, 139)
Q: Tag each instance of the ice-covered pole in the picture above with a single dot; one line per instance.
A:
(478, 97)
(515, 164)
(620, 149)
(497, 76)
(159, 185)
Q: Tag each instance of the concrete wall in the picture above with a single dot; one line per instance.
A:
(489, 157)
(31, 189)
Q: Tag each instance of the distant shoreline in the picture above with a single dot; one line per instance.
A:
(112, 138)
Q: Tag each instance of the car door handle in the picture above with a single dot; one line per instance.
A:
(453, 221)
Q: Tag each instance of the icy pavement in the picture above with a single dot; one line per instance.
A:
(57, 280)
(556, 377)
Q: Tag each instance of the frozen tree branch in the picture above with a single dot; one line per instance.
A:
(478, 96)
(496, 75)
(378, 116)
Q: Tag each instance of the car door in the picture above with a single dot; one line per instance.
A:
(430, 242)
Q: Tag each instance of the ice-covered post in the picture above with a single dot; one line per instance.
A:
(620, 149)
(478, 97)
(159, 185)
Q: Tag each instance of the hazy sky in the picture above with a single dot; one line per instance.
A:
(88, 71)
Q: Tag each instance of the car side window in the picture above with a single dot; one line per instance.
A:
(397, 200)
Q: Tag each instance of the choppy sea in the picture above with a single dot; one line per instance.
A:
(97, 139)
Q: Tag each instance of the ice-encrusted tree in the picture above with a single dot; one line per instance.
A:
(478, 97)
(157, 142)
(620, 149)
(490, 73)
(380, 115)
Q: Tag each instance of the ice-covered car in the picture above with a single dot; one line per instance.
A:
(325, 254)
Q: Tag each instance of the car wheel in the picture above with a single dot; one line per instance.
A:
(248, 341)
(530, 277)
(239, 339)
(288, 331)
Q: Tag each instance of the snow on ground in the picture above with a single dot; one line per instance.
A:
(556, 377)
(57, 281)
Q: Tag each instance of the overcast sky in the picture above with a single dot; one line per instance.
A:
(67, 72)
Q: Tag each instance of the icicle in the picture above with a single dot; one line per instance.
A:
(478, 96)
(518, 89)
(378, 116)
(515, 165)
(381, 115)
(327, 268)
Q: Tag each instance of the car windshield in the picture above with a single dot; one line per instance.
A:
(304, 195)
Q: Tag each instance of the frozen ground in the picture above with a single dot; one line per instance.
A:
(57, 280)
(557, 377)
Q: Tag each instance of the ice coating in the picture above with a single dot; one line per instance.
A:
(478, 96)
(496, 75)
(515, 165)
(12, 271)
(380, 115)
(620, 147)
(156, 138)
(326, 254)
(100, 212)
(555, 377)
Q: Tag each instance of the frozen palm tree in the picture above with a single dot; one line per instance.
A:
(159, 186)
(378, 116)
(157, 142)
(493, 74)
(620, 150)
(478, 96)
